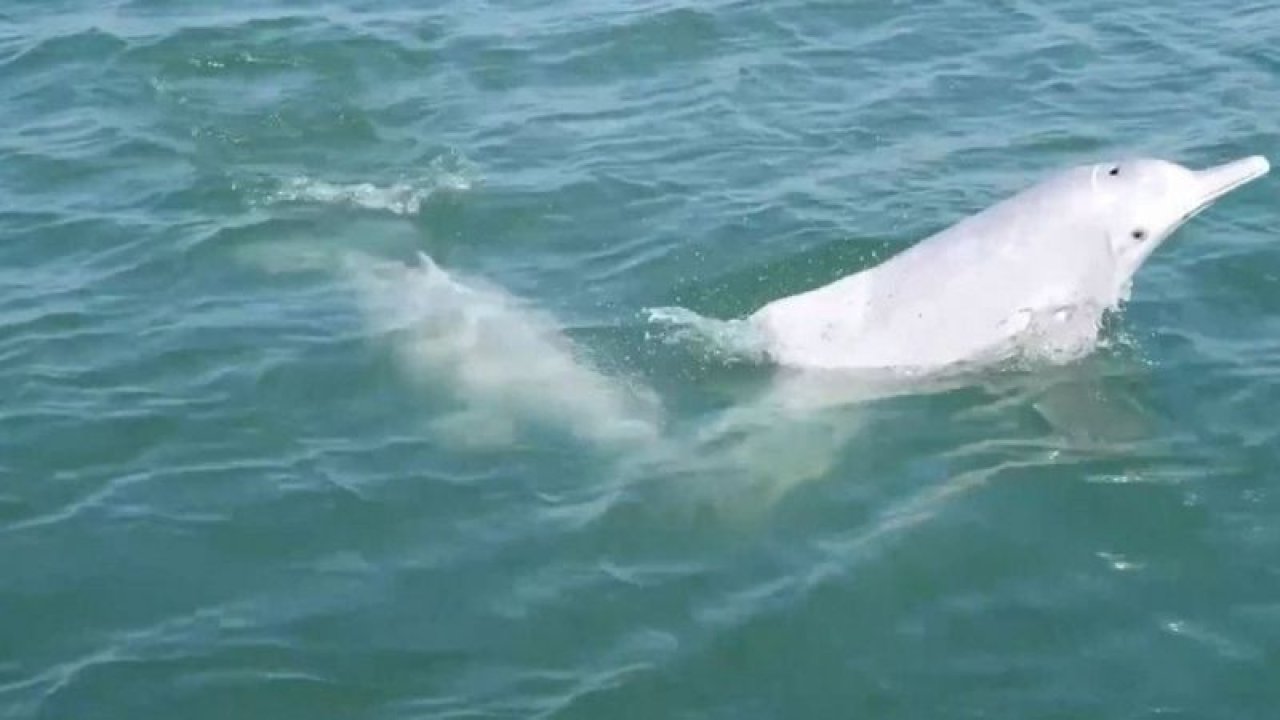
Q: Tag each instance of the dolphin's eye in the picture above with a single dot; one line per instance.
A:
(1114, 171)
(1139, 234)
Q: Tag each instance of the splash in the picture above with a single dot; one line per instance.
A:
(507, 365)
(401, 198)
(735, 340)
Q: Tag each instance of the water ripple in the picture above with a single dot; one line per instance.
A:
(235, 479)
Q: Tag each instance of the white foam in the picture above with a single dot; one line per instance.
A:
(401, 199)
(506, 363)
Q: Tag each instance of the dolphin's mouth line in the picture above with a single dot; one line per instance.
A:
(1225, 178)
(1217, 195)
(1186, 217)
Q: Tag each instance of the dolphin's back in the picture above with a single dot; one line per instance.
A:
(948, 297)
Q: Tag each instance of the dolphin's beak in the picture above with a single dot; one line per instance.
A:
(1212, 183)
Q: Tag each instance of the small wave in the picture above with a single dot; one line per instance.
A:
(401, 198)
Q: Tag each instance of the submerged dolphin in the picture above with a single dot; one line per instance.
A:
(1061, 252)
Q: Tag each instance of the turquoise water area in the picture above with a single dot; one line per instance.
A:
(330, 387)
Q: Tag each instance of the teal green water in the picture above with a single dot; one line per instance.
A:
(260, 460)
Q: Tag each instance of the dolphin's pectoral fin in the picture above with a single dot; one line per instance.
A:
(1091, 415)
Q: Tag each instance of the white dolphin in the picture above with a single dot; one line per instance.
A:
(1063, 251)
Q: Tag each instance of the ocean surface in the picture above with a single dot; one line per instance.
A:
(358, 360)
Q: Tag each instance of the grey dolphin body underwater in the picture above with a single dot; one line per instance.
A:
(1063, 250)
